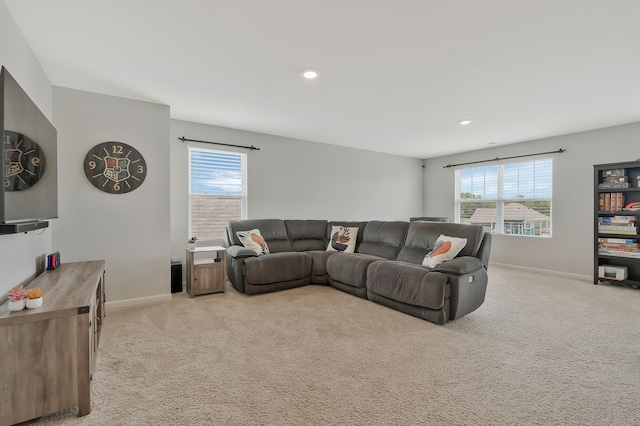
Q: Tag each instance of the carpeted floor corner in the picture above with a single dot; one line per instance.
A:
(542, 350)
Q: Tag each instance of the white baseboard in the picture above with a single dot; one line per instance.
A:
(542, 271)
(119, 304)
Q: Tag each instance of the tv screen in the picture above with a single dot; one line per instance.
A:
(29, 168)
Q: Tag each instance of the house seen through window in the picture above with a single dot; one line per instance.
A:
(512, 198)
(217, 191)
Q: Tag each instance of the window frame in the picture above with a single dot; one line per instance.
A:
(190, 193)
(501, 200)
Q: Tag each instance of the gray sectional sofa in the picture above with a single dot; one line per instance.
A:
(386, 266)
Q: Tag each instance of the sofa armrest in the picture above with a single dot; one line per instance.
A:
(460, 265)
(485, 249)
(240, 252)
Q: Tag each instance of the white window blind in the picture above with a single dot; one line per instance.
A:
(217, 191)
(217, 173)
(512, 198)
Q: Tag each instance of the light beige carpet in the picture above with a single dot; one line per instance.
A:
(542, 350)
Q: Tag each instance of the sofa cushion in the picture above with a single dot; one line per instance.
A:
(277, 267)
(408, 283)
(350, 268)
(306, 234)
(383, 239)
(273, 231)
(253, 240)
(446, 248)
(422, 236)
(330, 225)
(343, 239)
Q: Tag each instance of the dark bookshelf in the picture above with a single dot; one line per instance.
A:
(631, 175)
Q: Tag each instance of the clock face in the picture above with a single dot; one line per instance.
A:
(115, 167)
(24, 161)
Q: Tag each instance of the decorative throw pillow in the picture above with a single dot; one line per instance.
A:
(343, 239)
(254, 241)
(445, 248)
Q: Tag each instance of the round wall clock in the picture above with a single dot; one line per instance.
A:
(115, 167)
(24, 161)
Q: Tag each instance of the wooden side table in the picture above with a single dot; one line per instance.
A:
(206, 274)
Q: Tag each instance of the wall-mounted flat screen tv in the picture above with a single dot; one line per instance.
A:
(29, 193)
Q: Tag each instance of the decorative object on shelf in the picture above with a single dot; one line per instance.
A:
(634, 205)
(34, 303)
(34, 298)
(192, 241)
(16, 298)
(613, 272)
(24, 161)
(53, 260)
(115, 167)
(17, 305)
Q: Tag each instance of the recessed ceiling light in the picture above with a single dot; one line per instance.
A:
(465, 122)
(310, 74)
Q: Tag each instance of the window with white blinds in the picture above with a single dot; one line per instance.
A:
(512, 198)
(217, 191)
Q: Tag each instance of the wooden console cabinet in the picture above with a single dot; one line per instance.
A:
(205, 275)
(47, 354)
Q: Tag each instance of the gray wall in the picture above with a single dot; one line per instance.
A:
(129, 231)
(570, 250)
(296, 179)
(18, 252)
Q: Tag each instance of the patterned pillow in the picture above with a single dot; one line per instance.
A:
(343, 239)
(253, 240)
(445, 248)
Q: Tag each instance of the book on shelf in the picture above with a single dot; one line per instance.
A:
(624, 245)
(613, 185)
(615, 229)
(614, 172)
(616, 179)
(616, 240)
(619, 253)
(610, 201)
(617, 201)
(605, 250)
(617, 220)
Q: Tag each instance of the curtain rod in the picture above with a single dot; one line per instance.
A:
(505, 158)
(183, 139)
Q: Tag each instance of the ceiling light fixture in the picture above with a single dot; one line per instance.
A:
(465, 122)
(310, 74)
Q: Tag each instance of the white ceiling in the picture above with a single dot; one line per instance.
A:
(396, 76)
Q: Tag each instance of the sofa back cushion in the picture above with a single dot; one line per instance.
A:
(383, 239)
(306, 235)
(422, 236)
(273, 231)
